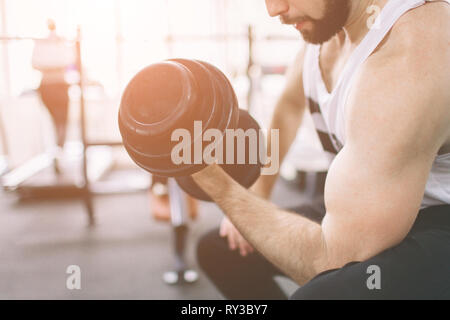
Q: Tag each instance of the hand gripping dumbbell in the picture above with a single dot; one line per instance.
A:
(174, 94)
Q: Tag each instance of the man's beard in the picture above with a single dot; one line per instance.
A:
(336, 15)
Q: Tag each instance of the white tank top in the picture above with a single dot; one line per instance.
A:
(327, 109)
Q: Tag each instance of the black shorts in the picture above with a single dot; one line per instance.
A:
(417, 268)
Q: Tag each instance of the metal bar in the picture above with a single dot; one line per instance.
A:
(82, 106)
(87, 192)
(3, 138)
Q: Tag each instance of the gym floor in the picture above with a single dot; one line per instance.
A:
(123, 257)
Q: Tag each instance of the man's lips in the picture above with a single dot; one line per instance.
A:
(300, 25)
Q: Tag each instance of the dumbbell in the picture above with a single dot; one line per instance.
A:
(174, 94)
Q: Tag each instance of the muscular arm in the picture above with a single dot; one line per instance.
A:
(286, 119)
(376, 183)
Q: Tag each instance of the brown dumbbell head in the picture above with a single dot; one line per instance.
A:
(172, 95)
(246, 174)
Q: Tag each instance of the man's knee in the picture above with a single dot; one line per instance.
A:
(318, 288)
(347, 283)
(209, 248)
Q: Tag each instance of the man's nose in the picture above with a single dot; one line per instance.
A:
(277, 7)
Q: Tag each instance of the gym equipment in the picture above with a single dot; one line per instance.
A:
(32, 179)
(174, 94)
(84, 163)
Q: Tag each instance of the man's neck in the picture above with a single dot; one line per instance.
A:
(357, 25)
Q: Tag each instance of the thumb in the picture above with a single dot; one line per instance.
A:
(223, 229)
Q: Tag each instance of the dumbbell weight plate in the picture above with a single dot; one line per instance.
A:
(215, 104)
(244, 174)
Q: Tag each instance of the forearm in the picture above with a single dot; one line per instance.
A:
(286, 119)
(291, 242)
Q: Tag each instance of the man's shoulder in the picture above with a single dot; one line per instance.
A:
(427, 15)
(418, 45)
(408, 77)
(423, 29)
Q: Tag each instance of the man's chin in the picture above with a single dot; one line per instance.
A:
(315, 38)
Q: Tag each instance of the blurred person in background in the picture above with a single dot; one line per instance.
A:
(52, 57)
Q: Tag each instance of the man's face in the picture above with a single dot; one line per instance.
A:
(317, 20)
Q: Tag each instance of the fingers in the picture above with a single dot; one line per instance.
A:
(244, 247)
(223, 229)
(226, 230)
(231, 236)
(234, 238)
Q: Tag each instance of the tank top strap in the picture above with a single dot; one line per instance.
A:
(386, 19)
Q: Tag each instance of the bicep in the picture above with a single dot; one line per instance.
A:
(376, 183)
(371, 202)
(393, 133)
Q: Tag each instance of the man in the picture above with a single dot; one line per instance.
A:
(378, 94)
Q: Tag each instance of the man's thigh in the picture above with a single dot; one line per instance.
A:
(417, 268)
